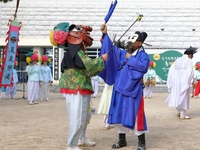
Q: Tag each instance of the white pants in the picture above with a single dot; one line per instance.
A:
(33, 91)
(44, 92)
(79, 114)
(121, 129)
(181, 111)
(148, 91)
(95, 84)
(11, 91)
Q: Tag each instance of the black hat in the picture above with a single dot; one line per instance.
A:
(190, 50)
(141, 36)
(144, 36)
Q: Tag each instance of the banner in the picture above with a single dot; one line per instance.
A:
(163, 62)
(10, 53)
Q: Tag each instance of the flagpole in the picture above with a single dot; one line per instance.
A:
(138, 19)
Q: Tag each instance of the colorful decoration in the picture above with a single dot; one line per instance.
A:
(197, 65)
(32, 57)
(51, 38)
(10, 53)
(45, 59)
(152, 64)
(58, 35)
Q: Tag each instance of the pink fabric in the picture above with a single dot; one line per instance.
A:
(60, 37)
(44, 58)
(14, 28)
(198, 65)
(151, 63)
(34, 57)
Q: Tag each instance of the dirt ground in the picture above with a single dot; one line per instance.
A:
(44, 126)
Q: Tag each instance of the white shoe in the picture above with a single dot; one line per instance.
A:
(47, 99)
(0, 100)
(184, 117)
(86, 142)
(73, 148)
(107, 126)
(31, 103)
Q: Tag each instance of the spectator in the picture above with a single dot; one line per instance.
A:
(34, 78)
(47, 78)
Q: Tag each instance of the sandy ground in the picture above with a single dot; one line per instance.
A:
(44, 126)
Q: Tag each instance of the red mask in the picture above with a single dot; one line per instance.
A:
(80, 34)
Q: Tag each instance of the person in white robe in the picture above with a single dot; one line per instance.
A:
(47, 79)
(149, 80)
(104, 104)
(11, 90)
(179, 80)
(34, 79)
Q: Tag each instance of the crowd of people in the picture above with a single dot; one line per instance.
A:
(39, 79)
(128, 75)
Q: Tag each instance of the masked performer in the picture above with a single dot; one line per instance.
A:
(75, 82)
(125, 69)
(179, 79)
(149, 80)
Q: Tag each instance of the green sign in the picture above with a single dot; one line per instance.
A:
(163, 62)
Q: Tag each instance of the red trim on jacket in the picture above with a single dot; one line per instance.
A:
(71, 91)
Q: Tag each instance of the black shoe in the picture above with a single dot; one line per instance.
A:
(121, 143)
(141, 147)
(141, 142)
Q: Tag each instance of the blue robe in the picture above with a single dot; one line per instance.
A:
(127, 103)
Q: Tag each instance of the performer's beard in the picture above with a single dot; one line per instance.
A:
(130, 47)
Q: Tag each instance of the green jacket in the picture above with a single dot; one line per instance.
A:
(73, 78)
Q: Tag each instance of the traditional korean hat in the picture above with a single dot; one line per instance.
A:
(197, 66)
(152, 64)
(190, 50)
(45, 58)
(31, 57)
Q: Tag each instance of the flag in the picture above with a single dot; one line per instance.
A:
(110, 11)
(10, 53)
